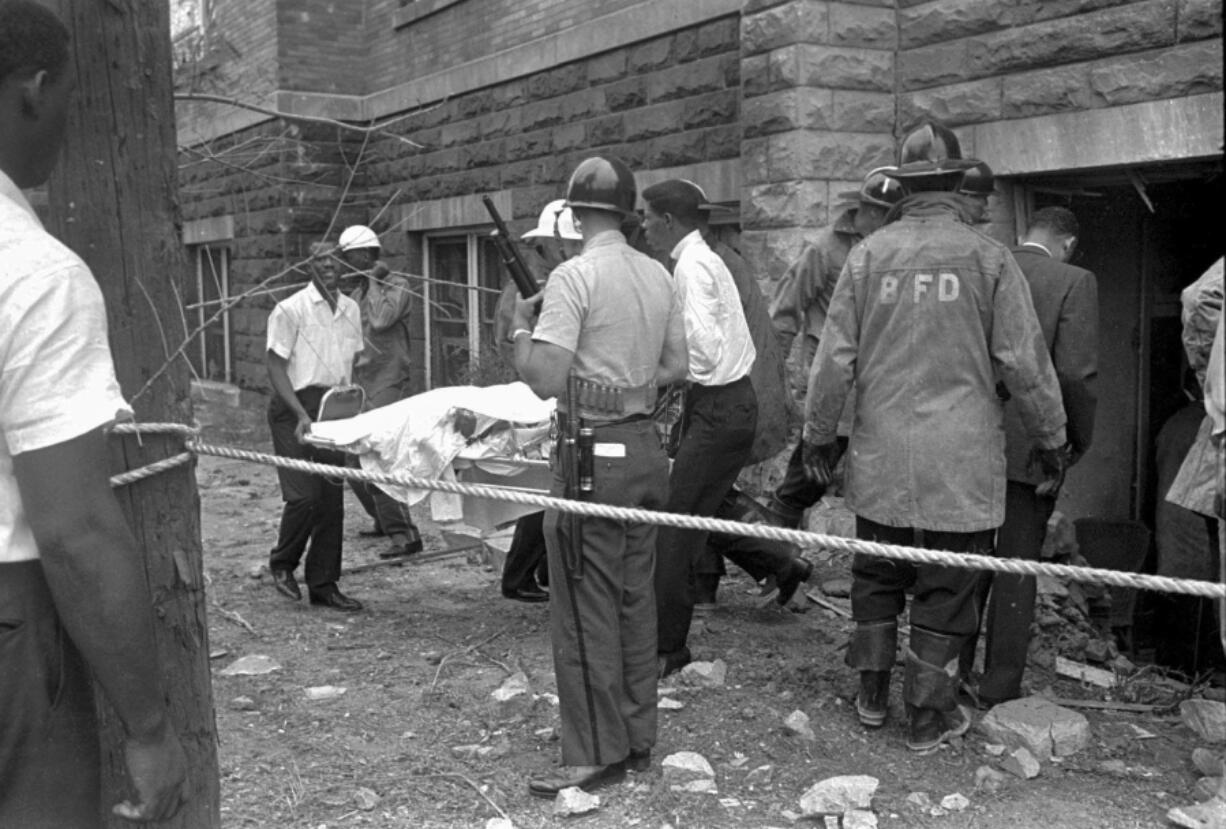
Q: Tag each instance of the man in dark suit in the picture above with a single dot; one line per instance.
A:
(1066, 300)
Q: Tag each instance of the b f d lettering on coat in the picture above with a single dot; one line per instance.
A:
(944, 287)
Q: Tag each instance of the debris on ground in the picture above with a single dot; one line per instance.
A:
(955, 802)
(1021, 763)
(513, 698)
(319, 693)
(988, 779)
(365, 799)
(254, 664)
(688, 771)
(574, 801)
(1034, 723)
(704, 674)
(1205, 717)
(798, 723)
(838, 795)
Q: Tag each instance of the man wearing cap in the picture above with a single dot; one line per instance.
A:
(721, 409)
(382, 369)
(555, 240)
(978, 185)
(925, 317)
(1065, 299)
(313, 337)
(798, 308)
(610, 318)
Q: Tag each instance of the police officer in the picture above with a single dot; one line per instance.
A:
(611, 318)
(798, 309)
(926, 313)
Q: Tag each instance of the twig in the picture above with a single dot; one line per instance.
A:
(475, 787)
(834, 608)
(235, 617)
(380, 127)
(1109, 705)
(467, 650)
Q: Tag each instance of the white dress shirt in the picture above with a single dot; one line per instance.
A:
(721, 348)
(319, 342)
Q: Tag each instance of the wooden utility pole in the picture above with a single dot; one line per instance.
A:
(113, 200)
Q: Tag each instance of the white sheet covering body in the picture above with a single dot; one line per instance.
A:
(420, 436)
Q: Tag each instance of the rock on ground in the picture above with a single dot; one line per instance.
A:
(514, 696)
(1038, 725)
(575, 801)
(1021, 763)
(1206, 718)
(859, 819)
(988, 779)
(955, 802)
(686, 765)
(365, 799)
(839, 794)
(705, 674)
(798, 723)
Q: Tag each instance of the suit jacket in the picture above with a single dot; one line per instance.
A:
(1065, 299)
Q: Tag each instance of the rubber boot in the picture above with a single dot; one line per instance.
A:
(930, 689)
(872, 650)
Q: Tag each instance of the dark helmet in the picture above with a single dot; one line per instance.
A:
(878, 188)
(930, 141)
(978, 181)
(931, 159)
(603, 184)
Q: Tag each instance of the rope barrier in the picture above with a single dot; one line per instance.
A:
(148, 471)
(142, 472)
(803, 538)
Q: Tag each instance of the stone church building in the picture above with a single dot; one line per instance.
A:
(1111, 107)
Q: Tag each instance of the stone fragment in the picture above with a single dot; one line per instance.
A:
(254, 664)
(859, 819)
(839, 794)
(669, 704)
(760, 776)
(574, 801)
(955, 802)
(1038, 725)
(919, 799)
(988, 779)
(995, 749)
(547, 733)
(465, 752)
(705, 674)
(1021, 763)
(1097, 651)
(1208, 763)
(242, 704)
(686, 766)
(798, 723)
(324, 692)
(1116, 767)
(1206, 717)
(838, 588)
(695, 787)
(1206, 788)
(499, 823)
(513, 697)
(365, 799)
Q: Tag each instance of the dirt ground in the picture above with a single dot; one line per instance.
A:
(419, 664)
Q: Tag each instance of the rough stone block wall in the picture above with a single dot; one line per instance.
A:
(322, 46)
(967, 61)
(818, 113)
(282, 184)
(460, 33)
(663, 102)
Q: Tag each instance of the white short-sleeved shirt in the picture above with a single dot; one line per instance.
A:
(319, 343)
(57, 377)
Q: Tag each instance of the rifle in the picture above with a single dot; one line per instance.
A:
(511, 258)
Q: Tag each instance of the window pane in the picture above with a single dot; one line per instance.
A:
(448, 310)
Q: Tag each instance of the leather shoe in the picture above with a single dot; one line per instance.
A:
(286, 584)
(402, 549)
(799, 570)
(587, 778)
(670, 663)
(335, 599)
(530, 594)
(639, 761)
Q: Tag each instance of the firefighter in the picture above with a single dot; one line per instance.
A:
(926, 313)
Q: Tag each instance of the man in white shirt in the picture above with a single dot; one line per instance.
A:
(313, 337)
(74, 600)
(721, 410)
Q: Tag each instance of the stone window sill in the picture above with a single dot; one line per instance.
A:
(417, 9)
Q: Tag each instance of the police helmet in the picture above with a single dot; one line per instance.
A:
(602, 184)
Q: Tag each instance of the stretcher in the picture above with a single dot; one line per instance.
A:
(495, 435)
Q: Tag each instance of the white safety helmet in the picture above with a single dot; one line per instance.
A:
(357, 237)
(555, 218)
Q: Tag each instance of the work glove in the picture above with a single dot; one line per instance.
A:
(1052, 464)
(820, 460)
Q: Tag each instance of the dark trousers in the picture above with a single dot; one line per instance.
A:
(391, 517)
(527, 554)
(944, 600)
(759, 557)
(1011, 609)
(49, 754)
(603, 620)
(719, 432)
(313, 518)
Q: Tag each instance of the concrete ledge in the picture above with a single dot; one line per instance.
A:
(1143, 133)
(451, 213)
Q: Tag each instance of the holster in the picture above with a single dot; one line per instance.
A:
(873, 645)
